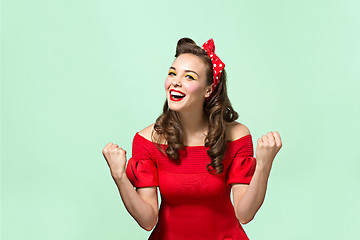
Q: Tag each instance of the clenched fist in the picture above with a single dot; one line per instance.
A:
(267, 148)
(115, 157)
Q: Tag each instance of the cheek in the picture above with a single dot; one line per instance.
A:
(193, 88)
(167, 83)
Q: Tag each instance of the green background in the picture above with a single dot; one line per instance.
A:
(76, 75)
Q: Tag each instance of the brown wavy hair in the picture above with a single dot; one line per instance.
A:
(217, 108)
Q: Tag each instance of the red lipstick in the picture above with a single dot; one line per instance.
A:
(176, 97)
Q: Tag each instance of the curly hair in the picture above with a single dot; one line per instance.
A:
(217, 108)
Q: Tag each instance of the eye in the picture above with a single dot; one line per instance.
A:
(171, 73)
(191, 77)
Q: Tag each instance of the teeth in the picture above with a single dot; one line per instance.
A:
(177, 94)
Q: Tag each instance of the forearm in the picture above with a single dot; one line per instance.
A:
(254, 196)
(139, 209)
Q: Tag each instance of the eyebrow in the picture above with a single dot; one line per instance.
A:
(186, 70)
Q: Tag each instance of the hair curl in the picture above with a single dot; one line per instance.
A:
(217, 108)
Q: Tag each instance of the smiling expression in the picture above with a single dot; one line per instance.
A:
(185, 84)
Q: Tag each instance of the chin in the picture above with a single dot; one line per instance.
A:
(174, 108)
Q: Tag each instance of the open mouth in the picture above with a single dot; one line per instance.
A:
(176, 95)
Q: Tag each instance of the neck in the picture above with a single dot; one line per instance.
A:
(194, 124)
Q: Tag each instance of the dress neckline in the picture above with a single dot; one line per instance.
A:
(200, 146)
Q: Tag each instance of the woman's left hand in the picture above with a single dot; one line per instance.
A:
(267, 148)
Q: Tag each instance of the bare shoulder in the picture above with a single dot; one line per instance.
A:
(236, 130)
(146, 132)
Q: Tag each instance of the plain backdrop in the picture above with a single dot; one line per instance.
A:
(76, 75)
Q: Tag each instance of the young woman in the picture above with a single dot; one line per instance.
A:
(196, 153)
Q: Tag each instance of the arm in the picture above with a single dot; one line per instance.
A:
(249, 198)
(142, 204)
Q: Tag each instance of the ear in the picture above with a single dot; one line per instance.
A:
(208, 91)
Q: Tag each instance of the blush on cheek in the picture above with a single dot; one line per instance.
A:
(192, 88)
(167, 84)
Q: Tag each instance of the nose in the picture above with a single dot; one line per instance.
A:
(176, 82)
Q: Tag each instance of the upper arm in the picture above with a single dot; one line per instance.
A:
(238, 190)
(149, 194)
(236, 130)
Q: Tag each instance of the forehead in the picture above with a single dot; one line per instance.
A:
(188, 61)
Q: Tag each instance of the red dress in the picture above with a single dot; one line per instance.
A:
(195, 204)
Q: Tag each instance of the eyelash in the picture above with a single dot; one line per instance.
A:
(191, 77)
(170, 73)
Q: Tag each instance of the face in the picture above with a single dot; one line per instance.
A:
(185, 84)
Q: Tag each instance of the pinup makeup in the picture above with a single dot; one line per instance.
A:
(176, 95)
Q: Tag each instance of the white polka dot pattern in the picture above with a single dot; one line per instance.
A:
(218, 65)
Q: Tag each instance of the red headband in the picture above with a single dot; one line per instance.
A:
(218, 65)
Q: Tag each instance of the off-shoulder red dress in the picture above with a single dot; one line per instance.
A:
(195, 204)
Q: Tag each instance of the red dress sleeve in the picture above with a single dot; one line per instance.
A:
(141, 169)
(243, 165)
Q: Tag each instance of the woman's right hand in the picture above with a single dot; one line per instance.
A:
(115, 157)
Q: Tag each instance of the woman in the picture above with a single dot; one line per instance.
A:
(196, 153)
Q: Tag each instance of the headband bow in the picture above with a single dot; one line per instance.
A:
(218, 65)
